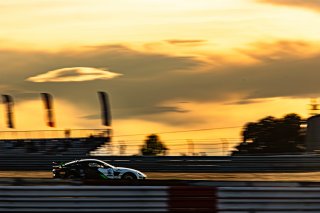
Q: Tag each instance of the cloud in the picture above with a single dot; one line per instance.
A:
(147, 111)
(308, 4)
(188, 42)
(150, 80)
(91, 117)
(74, 74)
(245, 102)
(282, 50)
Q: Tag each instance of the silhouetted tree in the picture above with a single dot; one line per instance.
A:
(153, 146)
(272, 135)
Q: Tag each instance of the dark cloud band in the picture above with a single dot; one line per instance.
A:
(150, 80)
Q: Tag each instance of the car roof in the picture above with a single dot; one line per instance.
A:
(90, 159)
(86, 160)
(81, 160)
(97, 160)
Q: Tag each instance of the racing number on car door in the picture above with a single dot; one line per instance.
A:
(108, 172)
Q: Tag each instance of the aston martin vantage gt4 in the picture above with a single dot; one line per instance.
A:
(94, 169)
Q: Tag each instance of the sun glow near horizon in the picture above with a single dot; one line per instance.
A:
(184, 64)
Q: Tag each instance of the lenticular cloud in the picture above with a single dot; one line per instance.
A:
(73, 74)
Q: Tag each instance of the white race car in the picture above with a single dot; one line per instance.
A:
(94, 169)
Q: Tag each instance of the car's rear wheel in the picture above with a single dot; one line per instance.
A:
(70, 175)
(129, 176)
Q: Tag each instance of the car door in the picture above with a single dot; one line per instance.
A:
(91, 170)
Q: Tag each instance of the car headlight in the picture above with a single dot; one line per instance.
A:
(142, 175)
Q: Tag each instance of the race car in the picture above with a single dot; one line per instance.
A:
(94, 169)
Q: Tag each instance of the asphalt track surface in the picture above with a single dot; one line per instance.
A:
(265, 176)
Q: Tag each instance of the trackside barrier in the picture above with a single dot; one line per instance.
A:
(282, 197)
(268, 199)
(175, 163)
(107, 199)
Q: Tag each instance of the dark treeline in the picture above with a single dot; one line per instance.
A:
(273, 135)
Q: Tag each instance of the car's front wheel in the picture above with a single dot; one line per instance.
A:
(128, 176)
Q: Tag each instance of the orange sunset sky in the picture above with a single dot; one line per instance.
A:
(167, 65)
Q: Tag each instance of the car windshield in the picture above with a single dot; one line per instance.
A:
(99, 161)
(69, 163)
(106, 164)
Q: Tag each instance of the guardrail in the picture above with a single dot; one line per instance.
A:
(278, 197)
(268, 199)
(176, 163)
(106, 199)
